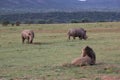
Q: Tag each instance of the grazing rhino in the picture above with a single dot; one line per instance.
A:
(77, 32)
(27, 34)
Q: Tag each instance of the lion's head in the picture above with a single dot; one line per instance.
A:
(87, 51)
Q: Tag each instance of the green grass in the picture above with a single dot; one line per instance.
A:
(43, 60)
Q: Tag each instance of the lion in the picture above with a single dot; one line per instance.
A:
(87, 57)
(87, 51)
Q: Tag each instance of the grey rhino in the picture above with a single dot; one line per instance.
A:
(27, 34)
(77, 32)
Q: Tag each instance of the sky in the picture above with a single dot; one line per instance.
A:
(82, 0)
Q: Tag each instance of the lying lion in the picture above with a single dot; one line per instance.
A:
(87, 57)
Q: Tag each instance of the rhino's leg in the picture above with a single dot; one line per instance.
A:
(31, 41)
(80, 37)
(69, 37)
(28, 40)
(73, 37)
(23, 39)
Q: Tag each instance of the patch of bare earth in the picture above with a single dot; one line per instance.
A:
(105, 77)
(111, 49)
(51, 31)
(88, 30)
(104, 30)
(65, 31)
(80, 79)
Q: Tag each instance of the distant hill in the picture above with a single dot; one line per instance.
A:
(61, 17)
(58, 5)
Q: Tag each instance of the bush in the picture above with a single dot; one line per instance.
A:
(5, 23)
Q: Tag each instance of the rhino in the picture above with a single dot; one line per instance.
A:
(77, 32)
(27, 34)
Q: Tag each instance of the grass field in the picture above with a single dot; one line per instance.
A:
(43, 59)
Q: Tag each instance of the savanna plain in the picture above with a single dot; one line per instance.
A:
(43, 59)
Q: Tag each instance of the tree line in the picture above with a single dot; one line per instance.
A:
(60, 17)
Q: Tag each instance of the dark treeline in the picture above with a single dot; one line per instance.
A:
(61, 17)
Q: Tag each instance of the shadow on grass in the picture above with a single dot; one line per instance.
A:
(42, 43)
(47, 43)
(100, 63)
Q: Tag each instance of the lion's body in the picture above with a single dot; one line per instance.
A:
(82, 61)
(88, 57)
